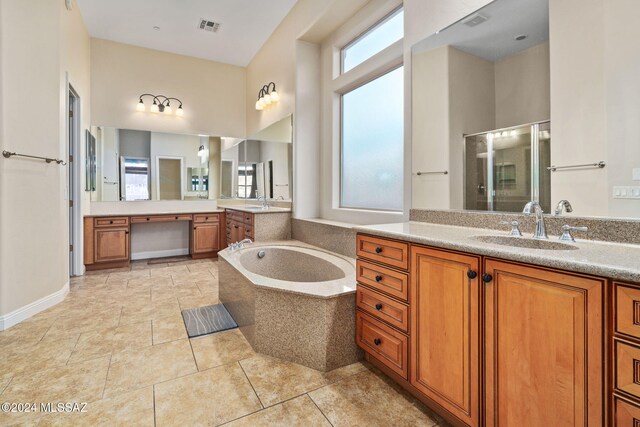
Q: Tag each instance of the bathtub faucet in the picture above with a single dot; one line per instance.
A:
(242, 243)
(239, 245)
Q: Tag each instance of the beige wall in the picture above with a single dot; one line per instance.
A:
(34, 213)
(213, 94)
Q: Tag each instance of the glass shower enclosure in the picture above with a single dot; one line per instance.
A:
(506, 168)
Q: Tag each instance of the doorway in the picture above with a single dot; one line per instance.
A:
(73, 174)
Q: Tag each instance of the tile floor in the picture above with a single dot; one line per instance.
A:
(118, 343)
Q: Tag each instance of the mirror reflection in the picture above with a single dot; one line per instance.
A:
(495, 118)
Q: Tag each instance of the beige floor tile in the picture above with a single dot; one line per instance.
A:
(168, 329)
(300, 411)
(139, 368)
(149, 311)
(198, 276)
(113, 340)
(129, 409)
(220, 348)
(159, 293)
(209, 287)
(128, 275)
(84, 322)
(367, 399)
(201, 267)
(276, 380)
(28, 332)
(169, 271)
(4, 382)
(197, 301)
(207, 398)
(83, 382)
(48, 353)
(148, 282)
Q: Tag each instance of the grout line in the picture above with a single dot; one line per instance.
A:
(152, 343)
(251, 384)
(323, 414)
(107, 376)
(155, 421)
(193, 354)
(8, 384)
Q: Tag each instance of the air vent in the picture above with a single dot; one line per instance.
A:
(476, 19)
(210, 26)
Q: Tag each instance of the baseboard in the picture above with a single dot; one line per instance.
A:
(23, 313)
(159, 254)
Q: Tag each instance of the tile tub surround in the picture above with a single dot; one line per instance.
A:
(310, 323)
(333, 236)
(272, 225)
(616, 230)
(612, 260)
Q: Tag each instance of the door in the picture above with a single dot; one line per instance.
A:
(544, 347)
(169, 179)
(72, 145)
(445, 330)
(111, 244)
(206, 238)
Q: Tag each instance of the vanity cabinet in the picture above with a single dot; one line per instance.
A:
(239, 226)
(489, 342)
(205, 235)
(111, 244)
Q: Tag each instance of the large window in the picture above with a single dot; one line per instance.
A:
(380, 36)
(372, 144)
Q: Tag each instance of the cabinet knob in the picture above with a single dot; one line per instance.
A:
(378, 249)
(472, 274)
(111, 222)
(126, 232)
(194, 228)
(206, 218)
(377, 341)
(235, 226)
(176, 217)
(378, 278)
(486, 278)
(148, 219)
(378, 306)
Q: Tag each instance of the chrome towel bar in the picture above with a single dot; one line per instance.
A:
(599, 165)
(433, 173)
(8, 154)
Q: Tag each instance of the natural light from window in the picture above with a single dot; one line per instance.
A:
(373, 143)
(379, 37)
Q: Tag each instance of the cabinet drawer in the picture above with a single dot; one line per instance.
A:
(384, 308)
(383, 279)
(160, 218)
(625, 413)
(382, 342)
(395, 254)
(234, 215)
(247, 218)
(627, 310)
(627, 368)
(201, 218)
(121, 221)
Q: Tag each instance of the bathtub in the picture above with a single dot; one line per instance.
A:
(292, 301)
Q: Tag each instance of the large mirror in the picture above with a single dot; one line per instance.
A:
(136, 165)
(481, 111)
(259, 167)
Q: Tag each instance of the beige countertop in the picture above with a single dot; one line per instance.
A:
(190, 211)
(257, 209)
(611, 260)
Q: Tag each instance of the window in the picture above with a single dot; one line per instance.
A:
(247, 186)
(374, 40)
(136, 179)
(373, 144)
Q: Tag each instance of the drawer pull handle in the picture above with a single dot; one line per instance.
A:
(378, 250)
(378, 306)
(472, 274)
(206, 218)
(148, 219)
(176, 217)
(377, 341)
(111, 222)
(486, 278)
(378, 279)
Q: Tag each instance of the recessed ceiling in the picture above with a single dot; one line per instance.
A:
(244, 25)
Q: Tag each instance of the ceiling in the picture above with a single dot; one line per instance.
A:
(245, 25)
(495, 38)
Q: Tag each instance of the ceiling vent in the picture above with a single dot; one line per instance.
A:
(210, 26)
(476, 19)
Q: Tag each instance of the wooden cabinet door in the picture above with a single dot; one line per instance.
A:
(206, 238)
(445, 351)
(237, 231)
(544, 347)
(111, 244)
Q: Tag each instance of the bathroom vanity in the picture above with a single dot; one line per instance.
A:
(107, 238)
(257, 223)
(553, 337)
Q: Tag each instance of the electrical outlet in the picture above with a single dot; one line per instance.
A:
(626, 192)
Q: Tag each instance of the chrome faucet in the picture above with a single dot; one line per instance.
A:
(563, 205)
(533, 207)
(233, 247)
(265, 202)
(242, 243)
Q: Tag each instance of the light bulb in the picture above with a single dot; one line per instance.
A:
(267, 99)
(168, 110)
(140, 106)
(154, 108)
(180, 111)
(260, 104)
(275, 97)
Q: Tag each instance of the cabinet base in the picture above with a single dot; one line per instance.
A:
(438, 410)
(205, 255)
(106, 265)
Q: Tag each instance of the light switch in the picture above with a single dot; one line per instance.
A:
(626, 192)
(636, 174)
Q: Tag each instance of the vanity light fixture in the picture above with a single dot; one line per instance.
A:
(267, 96)
(161, 104)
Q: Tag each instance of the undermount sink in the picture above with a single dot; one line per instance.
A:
(255, 208)
(521, 242)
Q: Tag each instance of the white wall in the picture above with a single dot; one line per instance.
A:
(213, 94)
(34, 239)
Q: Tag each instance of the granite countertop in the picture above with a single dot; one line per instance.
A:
(610, 260)
(257, 209)
(173, 212)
